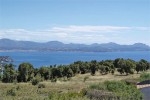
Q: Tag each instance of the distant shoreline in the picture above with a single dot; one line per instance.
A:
(18, 50)
(66, 51)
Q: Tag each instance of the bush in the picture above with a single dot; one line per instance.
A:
(41, 86)
(35, 81)
(144, 76)
(54, 79)
(120, 89)
(11, 92)
(112, 72)
(131, 81)
(18, 87)
(100, 95)
(67, 96)
(85, 78)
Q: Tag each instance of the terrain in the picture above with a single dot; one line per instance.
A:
(13, 45)
(27, 91)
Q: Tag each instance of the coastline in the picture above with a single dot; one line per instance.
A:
(142, 86)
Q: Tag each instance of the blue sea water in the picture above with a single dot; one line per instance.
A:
(146, 92)
(50, 58)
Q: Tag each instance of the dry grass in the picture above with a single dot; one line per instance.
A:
(26, 91)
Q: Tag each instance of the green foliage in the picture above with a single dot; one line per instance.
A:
(26, 72)
(131, 81)
(75, 68)
(18, 87)
(142, 65)
(100, 95)
(126, 66)
(41, 86)
(85, 78)
(112, 72)
(44, 72)
(104, 69)
(84, 67)
(68, 72)
(9, 74)
(35, 81)
(66, 96)
(11, 92)
(54, 79)
(99, 86)
(93, 67)
(144, 76)
(121, 90)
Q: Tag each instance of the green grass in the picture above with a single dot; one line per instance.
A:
(144, 76)
(27, 91)
(117, 89)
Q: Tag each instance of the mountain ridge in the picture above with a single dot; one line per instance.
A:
(7, 44)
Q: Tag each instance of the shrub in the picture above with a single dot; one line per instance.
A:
(67, 96)
(11, 92)
(18, 87)
(85, 78)
(144, 76)
(54, 79)
(41, 86)
(131, 81)
(120, 89)
(112, 72)
(100, 95)
(35, 81)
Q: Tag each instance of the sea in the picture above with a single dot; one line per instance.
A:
(146, 92)
(47, 58)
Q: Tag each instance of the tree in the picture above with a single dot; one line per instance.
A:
(104, 69)
(75, 68)
(44, 71)
(116, 65)
(126, 66)
(68, 72)
(26, 72)
(142, 65)
(55, 72)
(93, 67)
(9, 74)
(83, 66)
(109, 65)
(3, 61)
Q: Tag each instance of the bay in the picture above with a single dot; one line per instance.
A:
(146, 92)
(39, 58)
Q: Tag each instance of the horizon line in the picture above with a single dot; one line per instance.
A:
(71, 42)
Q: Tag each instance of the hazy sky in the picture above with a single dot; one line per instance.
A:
(76, 21)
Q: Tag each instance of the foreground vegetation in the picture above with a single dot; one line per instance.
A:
(72, 89)
(76, 81)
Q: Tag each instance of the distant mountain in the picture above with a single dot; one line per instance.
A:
(7, 44)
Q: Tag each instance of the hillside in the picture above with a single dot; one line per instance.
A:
(7, 44)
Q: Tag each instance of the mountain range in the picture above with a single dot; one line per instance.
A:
(13, 45)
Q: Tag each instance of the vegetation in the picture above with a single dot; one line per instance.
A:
(66, 82)
(26, 91)
(144, 76)
(117, 90)
(26, 72)
(67, 96)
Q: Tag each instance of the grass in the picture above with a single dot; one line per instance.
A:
(115, 89)
(27, 91)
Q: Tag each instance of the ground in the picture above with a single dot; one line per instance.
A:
(26, 91)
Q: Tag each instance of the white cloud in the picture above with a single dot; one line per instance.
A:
(80, 34)
(89, 29)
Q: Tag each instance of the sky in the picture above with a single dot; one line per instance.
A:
(76, 21)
